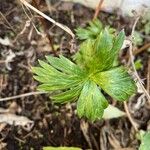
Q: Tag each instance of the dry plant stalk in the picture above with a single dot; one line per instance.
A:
(137, 76)
(134, 124)
(21, 96)
(98, 9)
(137, 51)
(65, 28)
(43, 21)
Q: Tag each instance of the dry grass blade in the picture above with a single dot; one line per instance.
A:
(132, 60)
(65, 28)
(138, 51)
(20, 96)
(136, 74)
(148, 76)
(84, 127)
(135, 126)
(98, 9)
(10, 26)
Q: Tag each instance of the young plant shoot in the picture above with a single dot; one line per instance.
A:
(92, 30)
(92, 72)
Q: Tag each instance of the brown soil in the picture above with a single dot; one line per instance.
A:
(56, 125)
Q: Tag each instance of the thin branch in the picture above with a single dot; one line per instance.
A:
(137, 51)
(135, 126)
(65, 28)
(97, 10)
(134, 25)
(21, 95)
(132, 60)
(43, 21)
(148, 76)
(10, 26)
(136, 74)
(30, 18)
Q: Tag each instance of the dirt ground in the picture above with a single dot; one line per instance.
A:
(58, 125)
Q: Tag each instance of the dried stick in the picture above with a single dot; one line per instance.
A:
(65, 28)
(135, 126)
(43, 21)
(146, 46)
(97, 10)
(20, 96)
(132, 61)
(148, 76)
(10, 26)
(137, 51)
(136, 74)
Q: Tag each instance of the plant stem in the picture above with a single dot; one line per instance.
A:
(20, 96)
(44, 24)
(97, 10)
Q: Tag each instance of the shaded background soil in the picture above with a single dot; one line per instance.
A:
(57, 125)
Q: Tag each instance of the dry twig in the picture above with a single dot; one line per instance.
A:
(44, 24)
(98, 9)
(148, 76)
(65, 28)
(132, 61)
(135, 126)
(84, 128)
(10, 26)
(144, 47)
(136, 74)
(20, 96)
(137, 51)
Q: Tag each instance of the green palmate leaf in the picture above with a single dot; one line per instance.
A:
(107, 49)
(116, 82)
(68, 95)
(94, 70)
(91, 31)
(145, 142)
(65, 65)
(91, 103)
(118, 42)
(100, 55)
(85, 55)
(102, 48)
(60, 74)
(60, 148)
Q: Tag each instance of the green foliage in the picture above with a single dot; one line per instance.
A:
(60, 74)
(92, 30)
(146, 23)
(60, 148)
(145, 141)
(143, 31)
(93, 71)
(91, 103)
(99, 54)
(138, 64)
(138, 39)
(116, 82)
